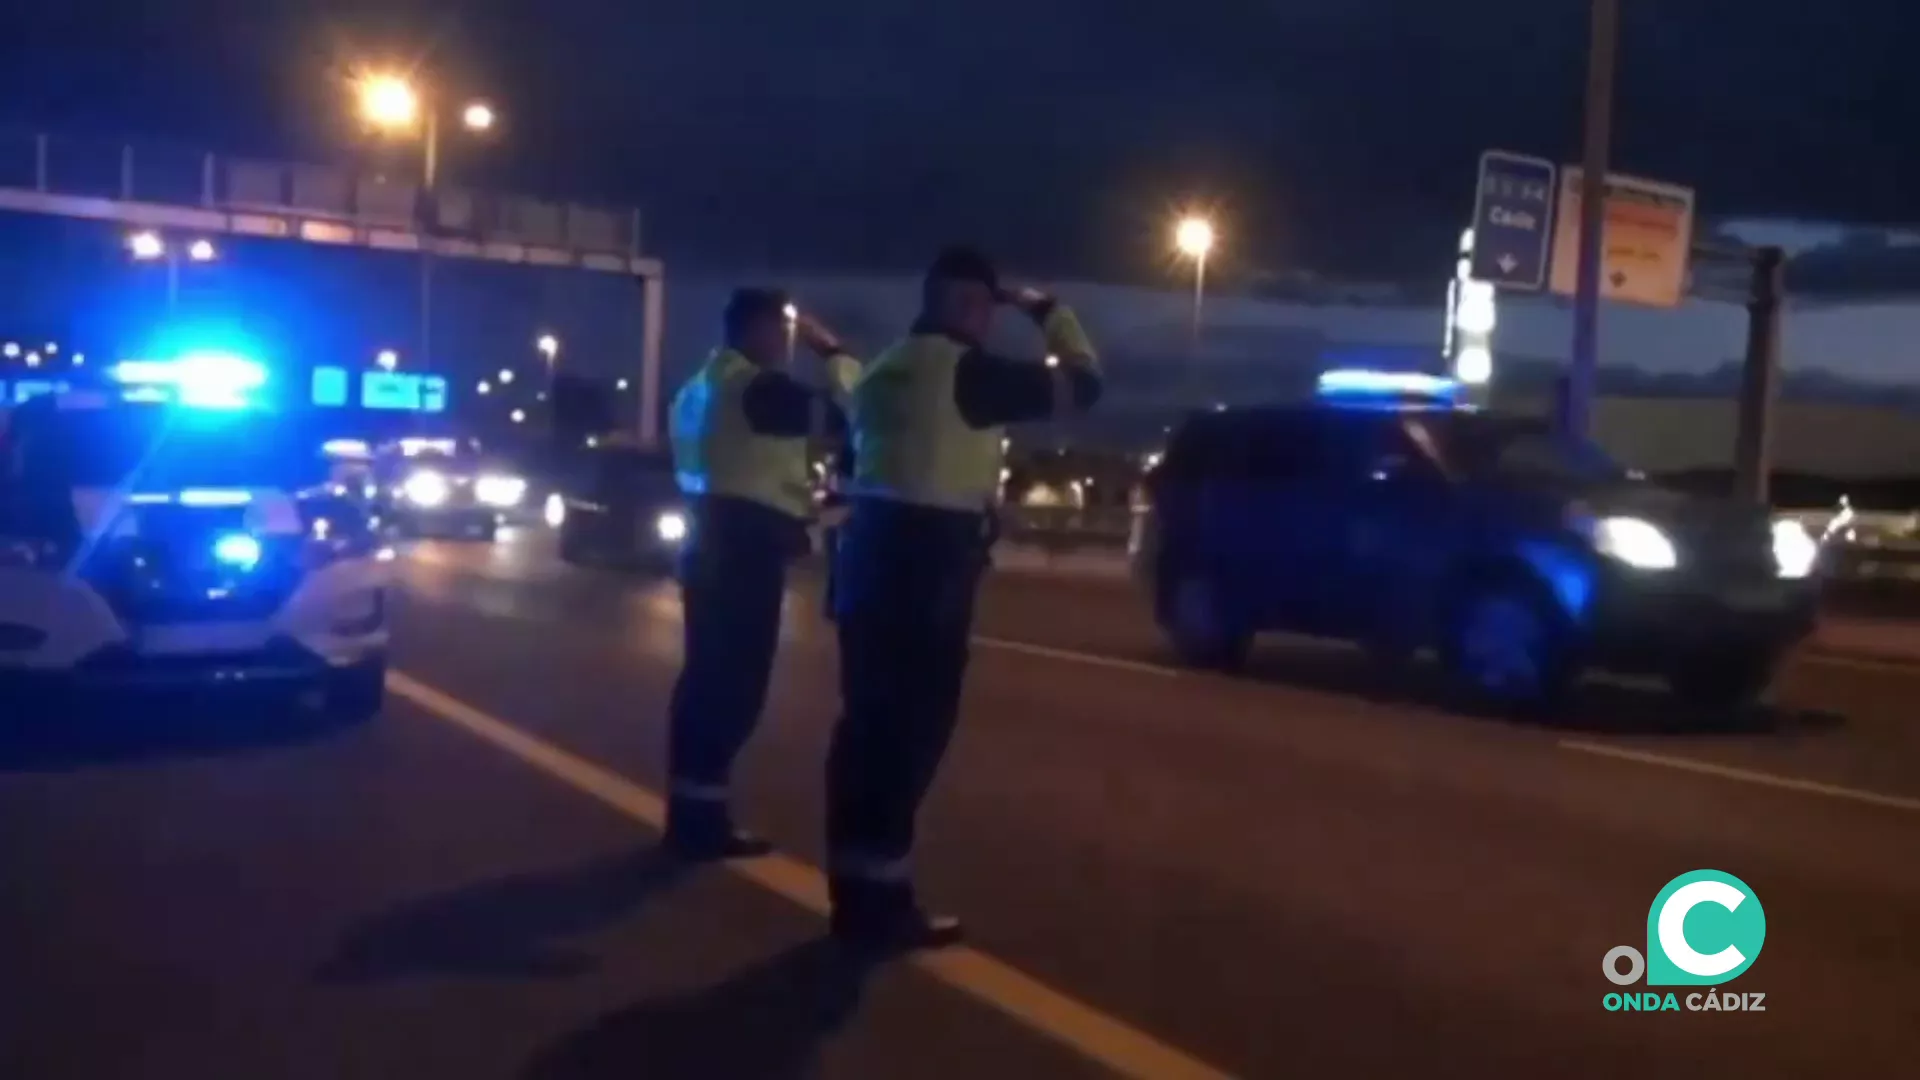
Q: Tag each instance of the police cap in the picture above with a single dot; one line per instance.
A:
(748, 306)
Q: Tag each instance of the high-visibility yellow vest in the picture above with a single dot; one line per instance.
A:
(910, 442)
(716, 452)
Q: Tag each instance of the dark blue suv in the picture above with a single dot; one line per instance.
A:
(1403, 523)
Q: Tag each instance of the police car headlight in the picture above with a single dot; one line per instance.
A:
(500, 491)
(1794, 549)
(671, 526)
(426, 488)
(1637, 542)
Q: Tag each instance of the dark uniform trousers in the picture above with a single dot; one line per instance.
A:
(732, 582)
(905, 579)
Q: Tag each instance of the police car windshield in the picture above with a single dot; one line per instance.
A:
(159, 449)
(1518, 449)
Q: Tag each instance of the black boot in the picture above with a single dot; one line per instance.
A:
(882, 917)
(701, 830)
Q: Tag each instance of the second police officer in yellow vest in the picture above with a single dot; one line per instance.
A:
(928, 419)
(740, 430)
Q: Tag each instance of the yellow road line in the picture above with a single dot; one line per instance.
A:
(1126, 1050)
(1746, 776)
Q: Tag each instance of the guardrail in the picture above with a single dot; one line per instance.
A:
(96, 178)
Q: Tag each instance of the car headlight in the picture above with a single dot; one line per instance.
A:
(1637, 542)
(671, 526)
(426, 488)
(555, 511)
(500, 491)
(1794, 549)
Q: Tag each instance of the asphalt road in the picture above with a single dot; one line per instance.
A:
(1297, 873)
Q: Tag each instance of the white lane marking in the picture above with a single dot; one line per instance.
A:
(1864, 662)
(1906, 803)
(1104, 1039)
(1073, 656)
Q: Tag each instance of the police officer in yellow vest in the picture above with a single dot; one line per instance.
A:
(928, 417)
(740, 429)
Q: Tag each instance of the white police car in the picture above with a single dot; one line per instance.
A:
(180, 538)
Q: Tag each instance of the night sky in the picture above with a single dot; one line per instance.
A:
(1333, 135)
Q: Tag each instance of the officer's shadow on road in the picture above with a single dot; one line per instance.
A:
(515, 927)
(766, 1022)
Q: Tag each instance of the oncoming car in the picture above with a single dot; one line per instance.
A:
(444, 487)
(1397, 521)
(620, 507)
(150, 544)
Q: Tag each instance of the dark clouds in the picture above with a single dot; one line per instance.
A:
(1336, 134)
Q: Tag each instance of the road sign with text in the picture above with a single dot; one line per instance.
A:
(1512, 220)
(1645, 241)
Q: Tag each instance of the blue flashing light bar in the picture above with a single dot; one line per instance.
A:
(207, 380)
(1367, 382)
(215, 497)
(238, 550)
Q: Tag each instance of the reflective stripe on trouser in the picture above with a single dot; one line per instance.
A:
(902, 660)
(868, 868)
(731, 629)
(698, 792)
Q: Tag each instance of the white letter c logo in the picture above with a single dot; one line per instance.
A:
(1673, 935)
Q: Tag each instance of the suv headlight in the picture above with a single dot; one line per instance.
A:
(500, 491)
(426, 488)
(1637, 542)
(671, 526)
(1794, 549)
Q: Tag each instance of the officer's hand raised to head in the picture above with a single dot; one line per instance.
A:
(1026, 298)
(816, 335)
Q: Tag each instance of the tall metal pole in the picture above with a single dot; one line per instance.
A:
(1752, 456)
(1193, 333)
(429, 181)
(1603, 47)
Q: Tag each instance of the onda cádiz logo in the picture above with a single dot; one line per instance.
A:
(1704, 929)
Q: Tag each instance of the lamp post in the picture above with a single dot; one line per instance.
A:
(391, 104)
(1602, 57)
(1194, 238)
(150, 246)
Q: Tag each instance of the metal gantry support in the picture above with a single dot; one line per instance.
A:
(272, 206)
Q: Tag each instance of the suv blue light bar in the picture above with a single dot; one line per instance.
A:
(1364, 381)
(215, 380)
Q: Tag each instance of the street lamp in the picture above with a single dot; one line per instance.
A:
(1194, 238)
(149, 246)
(478, 117)
(519, 416)
(506, 377)
(389, 102)
(549, 346)
(392, 104)
(484, 387)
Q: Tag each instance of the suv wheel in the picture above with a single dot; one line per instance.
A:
(1506, 647)
(1204, 632)
(1723, 684)
(355, 693)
